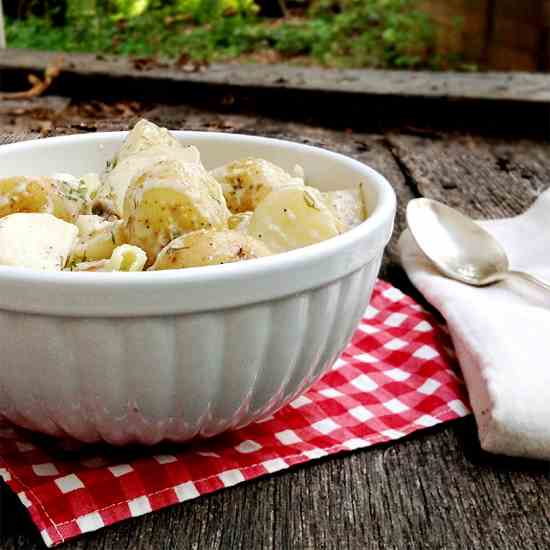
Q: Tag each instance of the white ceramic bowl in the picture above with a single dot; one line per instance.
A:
(145, 357)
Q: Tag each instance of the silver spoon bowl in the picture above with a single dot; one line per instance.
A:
(459, 247)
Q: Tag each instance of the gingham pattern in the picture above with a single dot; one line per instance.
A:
(396, 377)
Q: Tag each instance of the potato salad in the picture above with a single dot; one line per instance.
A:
(155, 207)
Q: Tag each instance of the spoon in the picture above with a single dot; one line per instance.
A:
(458, 246)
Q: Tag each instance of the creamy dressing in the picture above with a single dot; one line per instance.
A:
(117, 181)
(88, 224)
(37, 241)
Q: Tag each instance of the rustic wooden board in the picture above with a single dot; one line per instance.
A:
(487, 179)
(504, 34)
(433, 490)
(491, 86)
(371, 100)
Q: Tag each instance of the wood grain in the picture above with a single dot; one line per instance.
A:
(371, 100)
(514, 86)
(434, 490)
(484, 178)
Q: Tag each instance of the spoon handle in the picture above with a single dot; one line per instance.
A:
(531, 279)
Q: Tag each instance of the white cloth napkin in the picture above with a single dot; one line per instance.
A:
(501, 335)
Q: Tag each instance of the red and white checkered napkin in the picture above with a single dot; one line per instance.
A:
(396, 377)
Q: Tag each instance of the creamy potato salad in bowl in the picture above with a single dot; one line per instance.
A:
(160, 285)
(155, 206)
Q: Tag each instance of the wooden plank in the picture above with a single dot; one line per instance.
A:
(517, 87)
(488, 179)
(500, 35)
(469, 37)
(518, 35)
(526, 10)
(502, 57)
(45, 104)
(371, 101)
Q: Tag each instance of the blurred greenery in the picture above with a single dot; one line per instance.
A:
(343, 33)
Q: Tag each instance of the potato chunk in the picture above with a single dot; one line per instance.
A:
(293, 217)
(246, 182)
(84, 188)
(97, 238)
(36, 241)
(146, 135)
(168, 200)
(21, 194)
(348, 205)
(201, 248)
(145, 145)
(40, 195)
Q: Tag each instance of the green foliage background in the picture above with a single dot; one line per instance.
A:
(346, 33)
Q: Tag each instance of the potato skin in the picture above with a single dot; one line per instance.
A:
(40, 195)
(201, 248)
(144, 146)
(111, 194)
(97, 238)
(169, 200)
(247, 182)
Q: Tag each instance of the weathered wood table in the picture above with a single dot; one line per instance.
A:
(432, 490)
